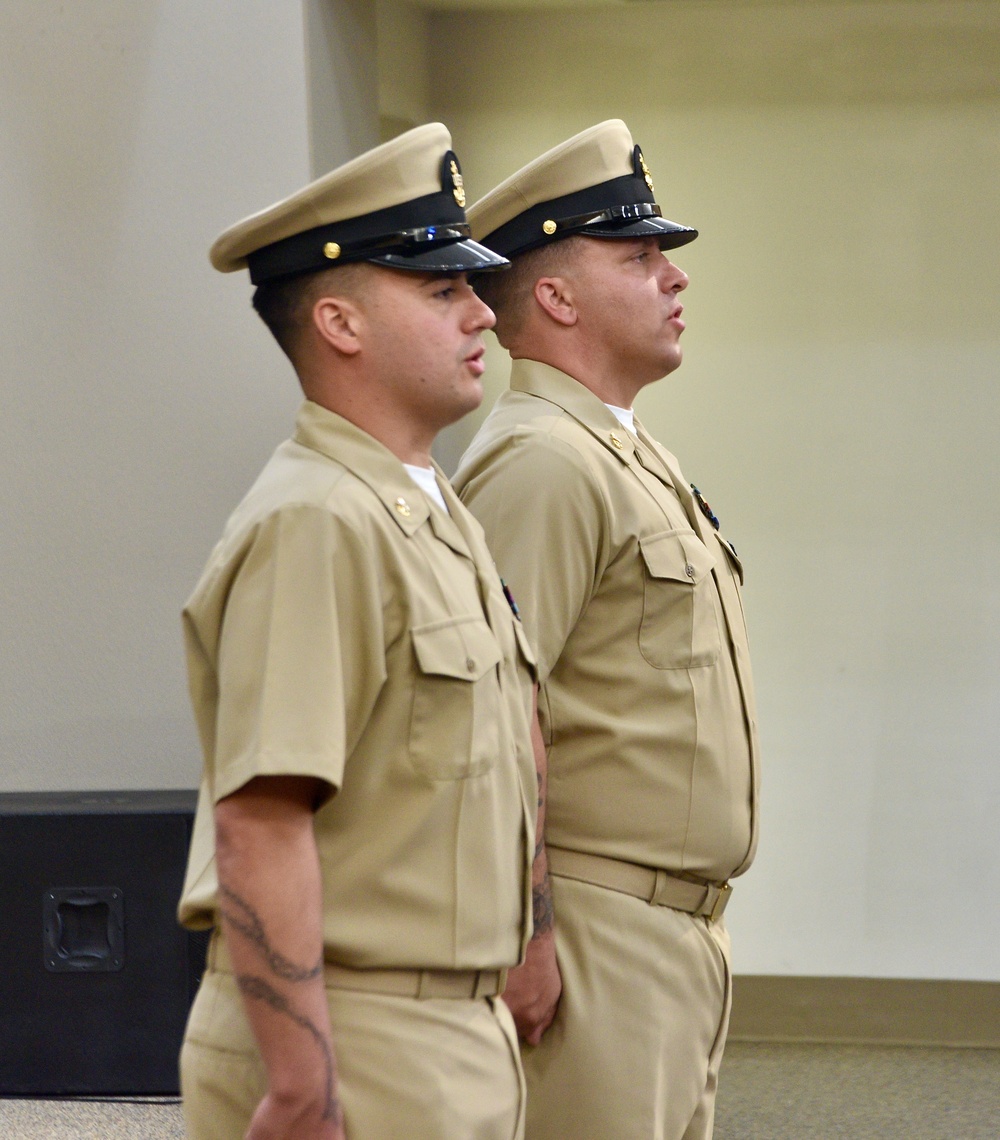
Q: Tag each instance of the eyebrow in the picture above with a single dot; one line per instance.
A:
(634, 244)
(436, 278)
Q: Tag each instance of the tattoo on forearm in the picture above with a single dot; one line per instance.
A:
(541, 789)
(259, 990)
(242, 917)
(541, 909)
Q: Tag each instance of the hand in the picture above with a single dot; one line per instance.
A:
(533, 989)
(284, 1120)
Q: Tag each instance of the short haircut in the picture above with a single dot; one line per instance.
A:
(285, 304)
(509, 292)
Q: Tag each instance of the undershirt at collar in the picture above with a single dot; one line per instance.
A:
(625, 416)
(426, 480)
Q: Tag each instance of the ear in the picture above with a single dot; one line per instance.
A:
(338, 321)
(555, 298)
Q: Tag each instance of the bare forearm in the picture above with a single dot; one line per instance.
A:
(270, 901)
(285, 1002)
(541, 887)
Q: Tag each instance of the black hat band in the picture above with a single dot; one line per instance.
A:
(612, 216)
(528, 229)
(414, 225)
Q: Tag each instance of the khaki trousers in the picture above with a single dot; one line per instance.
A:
(434, 1069)
(635, 1049)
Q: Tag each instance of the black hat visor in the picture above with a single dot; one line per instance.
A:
(639, 220)
(426, 252)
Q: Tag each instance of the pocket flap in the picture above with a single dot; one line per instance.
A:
(524, 645)
(733, 557)
(463, 648)
(679, 555)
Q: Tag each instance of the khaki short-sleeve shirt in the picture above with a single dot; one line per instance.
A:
(631, 598)
(346, 629)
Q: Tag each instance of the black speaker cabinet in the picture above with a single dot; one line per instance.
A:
(96, 976)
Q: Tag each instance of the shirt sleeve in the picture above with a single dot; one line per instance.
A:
(544, 518)
(301, 656)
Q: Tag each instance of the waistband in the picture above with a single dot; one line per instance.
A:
(397, 983)
(699, 898)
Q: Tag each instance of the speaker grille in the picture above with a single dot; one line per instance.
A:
(96, 976)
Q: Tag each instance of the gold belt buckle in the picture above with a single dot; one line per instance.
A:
(721, 901)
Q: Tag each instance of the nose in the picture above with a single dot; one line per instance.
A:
(479, 314)
(674, 278)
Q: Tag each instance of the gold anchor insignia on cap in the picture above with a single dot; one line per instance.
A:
(549, 227)
(331, 250)
(403, 507)
(645, 172)
(458, 184)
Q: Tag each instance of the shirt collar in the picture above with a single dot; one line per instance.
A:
(625, 416)
(548, 383)
(373, 463)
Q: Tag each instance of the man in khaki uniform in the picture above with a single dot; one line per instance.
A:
(363, 840)
(630, 594)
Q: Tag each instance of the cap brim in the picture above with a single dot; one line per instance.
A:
(669, 234)
(452, 257)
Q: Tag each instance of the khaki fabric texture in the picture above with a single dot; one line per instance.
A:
(632, 602)
(392, 174)
(345, 629)
(595, 155)
(635, 1049)
(425, 1070)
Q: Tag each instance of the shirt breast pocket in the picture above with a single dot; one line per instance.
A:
(680, 618)
(455, 723)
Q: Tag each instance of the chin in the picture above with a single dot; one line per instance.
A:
(474, 395)
(465, 402)
(673, 362)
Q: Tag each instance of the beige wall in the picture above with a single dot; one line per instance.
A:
(340, 49)
(838, 406)
(404, 80)
(139, 393)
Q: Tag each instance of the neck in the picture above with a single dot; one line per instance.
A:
(408, 443)
(608, 384)
(374, 412)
